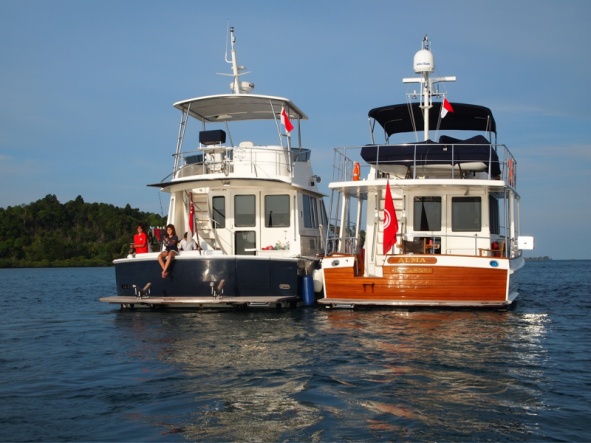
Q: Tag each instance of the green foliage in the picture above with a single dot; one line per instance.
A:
(47, 233)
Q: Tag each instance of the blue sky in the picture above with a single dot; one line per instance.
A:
(87, 87)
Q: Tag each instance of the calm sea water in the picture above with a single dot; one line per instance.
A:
(74, 369)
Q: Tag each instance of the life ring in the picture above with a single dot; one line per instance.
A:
(356, 171)
(511, 172)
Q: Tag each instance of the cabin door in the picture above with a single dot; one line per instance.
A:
(245, 224)
(428, 215)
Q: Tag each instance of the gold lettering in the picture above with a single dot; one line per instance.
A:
(415, 270)
(409, 259)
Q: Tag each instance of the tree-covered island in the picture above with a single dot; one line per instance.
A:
(47, 233)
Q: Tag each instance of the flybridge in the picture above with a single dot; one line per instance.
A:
(400, 118)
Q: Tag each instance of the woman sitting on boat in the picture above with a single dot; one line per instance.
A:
(170, 242)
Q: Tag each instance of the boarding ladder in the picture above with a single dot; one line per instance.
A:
(203, 222)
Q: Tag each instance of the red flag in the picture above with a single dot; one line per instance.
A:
(191, 214)
(390, 221)
(446, 107)
(285, 121)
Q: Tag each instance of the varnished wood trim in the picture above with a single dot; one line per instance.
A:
(442, 284)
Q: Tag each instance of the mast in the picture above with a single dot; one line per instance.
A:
(424, 64)
(234, 62)
(237, 86)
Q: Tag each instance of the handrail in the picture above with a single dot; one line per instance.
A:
(271, 160)
(457, 164)
(348, 244)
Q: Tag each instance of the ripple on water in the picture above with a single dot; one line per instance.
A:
(74, 369)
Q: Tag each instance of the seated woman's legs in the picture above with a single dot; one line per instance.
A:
(161, 258)
(170, 258)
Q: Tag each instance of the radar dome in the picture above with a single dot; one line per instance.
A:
(243, 87)
(423, 61)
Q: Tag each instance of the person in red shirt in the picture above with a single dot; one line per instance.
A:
(140, 240)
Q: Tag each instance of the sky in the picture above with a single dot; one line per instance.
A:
(87, 87)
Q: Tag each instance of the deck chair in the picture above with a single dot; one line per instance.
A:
(498, 251)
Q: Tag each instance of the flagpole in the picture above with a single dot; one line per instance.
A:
(288, 128)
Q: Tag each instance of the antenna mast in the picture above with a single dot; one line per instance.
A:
(237, 86)
(424, 64)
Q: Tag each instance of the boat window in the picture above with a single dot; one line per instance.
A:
(277, 211)
(310, 212)
(323, 216)
(493, 215)
(466, 214)
(245, 242)
(244, 210)
(218, 212)
(300, 155)
(427, 214)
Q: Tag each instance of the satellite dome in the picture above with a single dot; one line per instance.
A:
(423, 61)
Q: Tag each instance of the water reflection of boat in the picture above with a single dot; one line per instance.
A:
(432, 223)
(334, 375)
(432, 368)
(252, 207)
(230, 389)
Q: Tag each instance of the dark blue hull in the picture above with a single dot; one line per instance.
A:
(196, 276)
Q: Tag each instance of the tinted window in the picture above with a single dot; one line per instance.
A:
(427, 214)
(218, 212)
(276, 211)
(466, 214)
(245, 242)
(493, 212)
(244, 210)
(310, 212)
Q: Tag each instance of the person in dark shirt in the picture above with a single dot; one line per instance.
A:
(171, 249)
